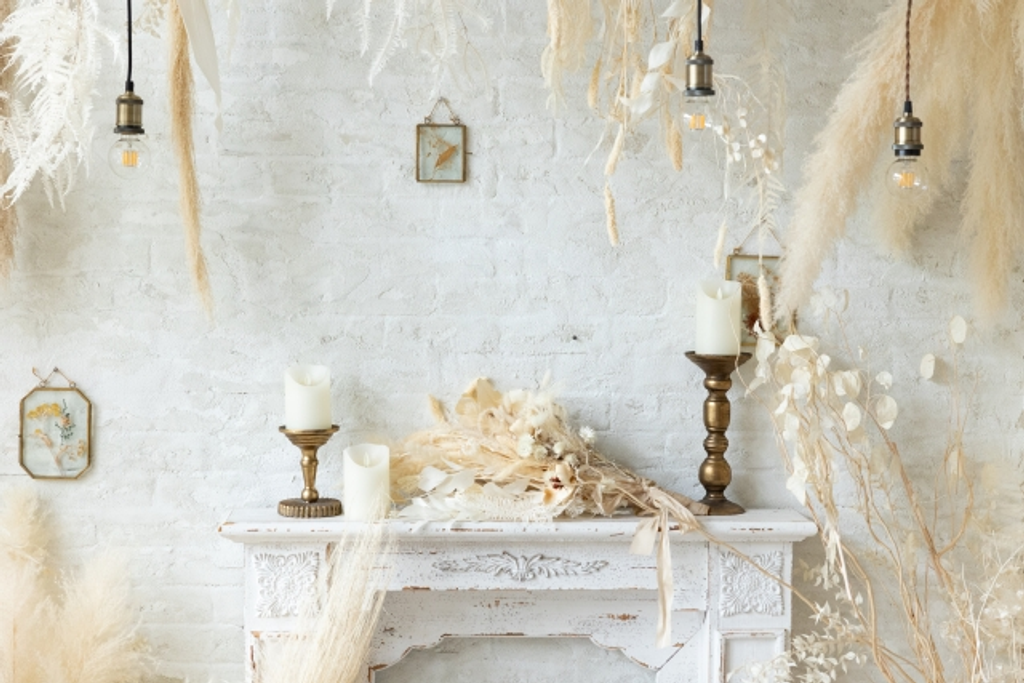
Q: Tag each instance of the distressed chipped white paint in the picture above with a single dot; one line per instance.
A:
(323, 249)
(492, 581)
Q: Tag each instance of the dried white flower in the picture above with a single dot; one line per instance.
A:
(587, 434)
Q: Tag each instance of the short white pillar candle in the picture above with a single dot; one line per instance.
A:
(367, 481)
(307, 397)
(718, 318)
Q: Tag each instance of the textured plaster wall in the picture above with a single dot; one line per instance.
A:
(322, 248)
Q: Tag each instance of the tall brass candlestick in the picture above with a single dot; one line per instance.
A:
(715, 474)
(310, 504)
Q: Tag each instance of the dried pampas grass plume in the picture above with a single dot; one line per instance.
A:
(993, 204)
(953, 43)
(8, 228)
(339, 624)
(613, 156)
(78, 629)
(843, 159)
(609, 210)
(595, 85)
(675, 146)
(182, 107)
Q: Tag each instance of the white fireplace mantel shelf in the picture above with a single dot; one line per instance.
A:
(569, 578)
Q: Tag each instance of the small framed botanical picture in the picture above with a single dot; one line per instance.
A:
(440, 153)
(746, 269)
(56, 433)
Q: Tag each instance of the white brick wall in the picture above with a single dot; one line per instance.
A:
(323, 248)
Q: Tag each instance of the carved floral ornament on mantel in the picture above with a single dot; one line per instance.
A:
(750, 589)
(283, 579)
(521, 567)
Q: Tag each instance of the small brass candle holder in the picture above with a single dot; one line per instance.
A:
(310, 505)
(715, 474)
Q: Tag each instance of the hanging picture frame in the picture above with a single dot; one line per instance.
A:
(56, 431)
(441, 148)
(746, 269)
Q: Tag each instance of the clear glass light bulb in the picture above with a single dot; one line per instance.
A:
(697, 114)
(906, 177)
(129, 157)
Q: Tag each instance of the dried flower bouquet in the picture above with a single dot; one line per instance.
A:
(514, 456)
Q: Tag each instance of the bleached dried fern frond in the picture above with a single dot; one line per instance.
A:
(53, 47)
(338, 624)
(182, 107)
(441, 32)
(152, 17)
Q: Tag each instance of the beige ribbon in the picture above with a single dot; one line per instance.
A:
(656, 529)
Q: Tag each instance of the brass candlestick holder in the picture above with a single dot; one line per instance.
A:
(715, 474)
(310, 505)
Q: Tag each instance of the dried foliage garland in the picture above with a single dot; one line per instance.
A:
(182, 107)
(954, 43)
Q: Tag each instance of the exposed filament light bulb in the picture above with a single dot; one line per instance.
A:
(129, 157)
(906, 175)
(700, 83)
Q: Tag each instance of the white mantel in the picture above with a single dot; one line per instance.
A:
(569, 578)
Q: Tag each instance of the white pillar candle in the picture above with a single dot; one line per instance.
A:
(718, 318)
(307, 397)
(367, 481)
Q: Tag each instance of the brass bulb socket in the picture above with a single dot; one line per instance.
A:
(907, 136)
(129, 114)
(700, 80)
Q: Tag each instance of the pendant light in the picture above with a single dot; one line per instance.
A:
(699, 82)
(129, 156)
(905, 176)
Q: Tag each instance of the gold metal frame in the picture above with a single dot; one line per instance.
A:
(751, 305)
(88, 432)
(451, 154)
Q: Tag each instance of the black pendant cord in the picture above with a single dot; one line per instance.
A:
(129, 86)
(907, 106)
(700, 32)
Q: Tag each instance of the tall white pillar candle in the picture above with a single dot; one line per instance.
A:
(307, 397)
(367, 481)
(718, 318)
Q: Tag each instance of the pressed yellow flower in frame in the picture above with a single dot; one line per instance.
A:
(44, 410)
